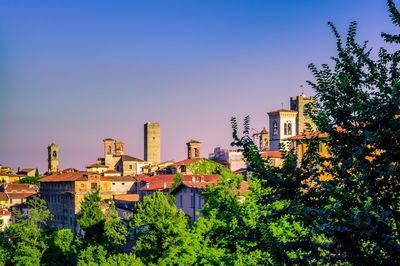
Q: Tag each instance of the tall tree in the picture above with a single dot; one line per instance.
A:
(91, 217)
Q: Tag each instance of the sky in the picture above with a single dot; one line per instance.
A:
(76, 72)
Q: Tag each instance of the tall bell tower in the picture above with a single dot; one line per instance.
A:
(52, 151)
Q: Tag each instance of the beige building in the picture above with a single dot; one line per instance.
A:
(52, 152)
(5, 218)
(65, 192)
(152, 143)
(193, 149)
(302, 104)
(115, 159)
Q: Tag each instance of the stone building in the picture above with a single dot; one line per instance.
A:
(152, 143)
(301, 104)
(193, 149)
(64, 193)
(52, 152)
(232, 159)
(282, 125)
(116, 159)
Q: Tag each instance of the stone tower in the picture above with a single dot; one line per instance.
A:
(52, 151)
(152, 143)
(108, 152)
(193, 148)
(119, 147)
(282, 125)
(264, 140)
(300, 104)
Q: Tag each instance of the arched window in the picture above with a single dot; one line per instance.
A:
(54, 154)
(285, 130)
(275, 128)
(289, 128)
(109, 150)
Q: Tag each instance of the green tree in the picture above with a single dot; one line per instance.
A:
(177, 181)
(34, 180)
(63, 248)
(91, 217)
(114, 231)
(163, 237)
(205, 166)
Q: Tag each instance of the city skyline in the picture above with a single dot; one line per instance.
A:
(76, 73)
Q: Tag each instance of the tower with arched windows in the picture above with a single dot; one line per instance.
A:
(52, 152)
(282, 125)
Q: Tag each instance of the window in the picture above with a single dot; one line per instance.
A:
(93, 186)
(130, 166)
(192, 200)
(123, 184)
(54, 154)
(288, 128)
(181, 201)
(275, 128)
(113, 184)
(109, 149)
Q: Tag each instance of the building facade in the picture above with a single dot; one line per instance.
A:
(152, 143)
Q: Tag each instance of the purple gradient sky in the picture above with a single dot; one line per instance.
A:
(79, 71)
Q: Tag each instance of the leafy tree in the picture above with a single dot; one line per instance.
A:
(204, 166)
(163, 237)
(63, 248)
(91, 217)
(114, 231)
(359, 106)
(34, 180)
(92, 255)
(177, 181)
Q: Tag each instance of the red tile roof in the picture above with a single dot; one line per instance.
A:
(96, 165)
(118, 178)
(163, 182)
(129, 158)
(16, 187)
(273, 154)
(186, 162)
(127, 197)
(111, 171)
(20, 195)
(63, 177)
(309, 135)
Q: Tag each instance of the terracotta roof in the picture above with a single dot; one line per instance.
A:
(5, 212)
(63, 177)
(203, 185)
(309, 135)
(127, 197)
(185, 162)
(193, 141)
(111, 171)
(118, 178)
(25, 170)
(157, 186)
(20, 195)
(129, 158)
(282, 110)
(3, 196)
(244, 187)
(108, 139)
(96, 165)
(69, 170)
(16, 187)
(273, 154)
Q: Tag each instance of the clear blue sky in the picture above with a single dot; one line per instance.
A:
(80, 71)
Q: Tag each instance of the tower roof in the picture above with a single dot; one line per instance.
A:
(193, 141)
(108, 139)
(282, 111)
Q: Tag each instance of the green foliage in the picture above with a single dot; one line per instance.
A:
(91, 217)
(63, 249)
(114, 231)
(177, 181)
(204, 166)
(34, 180)
(162, 235)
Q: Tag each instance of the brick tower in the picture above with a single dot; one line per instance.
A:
(193, 148)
